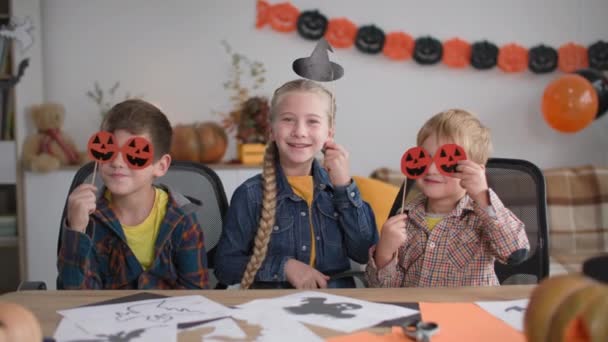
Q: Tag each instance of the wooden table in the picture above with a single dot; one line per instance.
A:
(44, 304)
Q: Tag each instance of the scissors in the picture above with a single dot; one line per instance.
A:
(420, 331)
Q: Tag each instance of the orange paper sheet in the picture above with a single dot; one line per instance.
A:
(467, 322)
(457, 322)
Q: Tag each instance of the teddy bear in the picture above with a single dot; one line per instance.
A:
(50, 148)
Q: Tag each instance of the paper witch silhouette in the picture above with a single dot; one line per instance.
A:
(318, 67)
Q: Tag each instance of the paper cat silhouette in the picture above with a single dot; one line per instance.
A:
(317, 305)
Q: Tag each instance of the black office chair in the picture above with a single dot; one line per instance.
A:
(521, 187)
(199, 184)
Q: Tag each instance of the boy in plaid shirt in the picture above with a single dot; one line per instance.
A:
(133, 235)
(451, 234)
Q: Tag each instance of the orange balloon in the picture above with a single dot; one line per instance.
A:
(570, 103)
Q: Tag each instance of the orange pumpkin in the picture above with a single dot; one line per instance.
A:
(184, 143)
(567, 308)
(512, 58)
(566, 324)
(398, 46)
(212, 142)
(341, 33)
(572, 57)
(18, 324)
(205, 142)
(456, 53)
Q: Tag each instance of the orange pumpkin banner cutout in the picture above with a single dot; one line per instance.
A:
(137, 152)
(341, 33)
(572, 57)
(456, 53)
(262, 9)
(416, 161)
(398, 46)
(512, 58)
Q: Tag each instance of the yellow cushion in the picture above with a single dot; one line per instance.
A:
(379, 195)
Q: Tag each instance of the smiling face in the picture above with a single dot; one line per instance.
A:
(435, 185)
(300, 127)
(120, 177)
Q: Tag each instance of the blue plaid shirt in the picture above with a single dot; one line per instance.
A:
(102, 259)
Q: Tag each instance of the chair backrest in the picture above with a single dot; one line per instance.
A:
(198, 183)
(521, 187)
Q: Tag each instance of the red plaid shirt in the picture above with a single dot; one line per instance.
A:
(459, 251)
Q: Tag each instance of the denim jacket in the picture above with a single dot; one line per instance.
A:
(344, 227)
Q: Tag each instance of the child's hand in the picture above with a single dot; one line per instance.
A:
(392, 237)
(302, 276)
(336, 163)
(473, 179)
(81, 203)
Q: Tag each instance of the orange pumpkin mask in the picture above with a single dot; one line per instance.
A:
(416, 161)
(447, 157)
(102, 147)
(137, 152)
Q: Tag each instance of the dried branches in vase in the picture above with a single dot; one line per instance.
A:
(249, 119)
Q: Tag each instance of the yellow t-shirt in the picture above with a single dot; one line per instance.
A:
(303, 187)
(142, 237)
(432, 220)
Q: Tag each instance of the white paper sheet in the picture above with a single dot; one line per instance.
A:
(276, 327)
(146, 313)
(223, 330)
(68, 331)
(511, 312)
(326, 310)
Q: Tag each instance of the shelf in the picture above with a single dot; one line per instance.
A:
(8, 164)
(8, 241)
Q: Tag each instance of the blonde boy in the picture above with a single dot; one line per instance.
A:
(451, 234)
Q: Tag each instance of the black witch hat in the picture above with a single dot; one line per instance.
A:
(318, 67)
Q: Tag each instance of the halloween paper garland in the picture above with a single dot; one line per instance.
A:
(454, 53)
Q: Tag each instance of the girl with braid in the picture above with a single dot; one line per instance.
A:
(298, 223)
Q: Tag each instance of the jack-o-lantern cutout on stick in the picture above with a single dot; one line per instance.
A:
(415, 162)
(447, 157)
(102, 147)
(138, 153)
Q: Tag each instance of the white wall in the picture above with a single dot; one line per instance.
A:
(170, 51)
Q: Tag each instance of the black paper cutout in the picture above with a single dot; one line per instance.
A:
(484, 55)
(370, 39)
(317, 305)
(312, 25)
(427, 51)
(542, 59)
(598, 55)
(318, 67)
